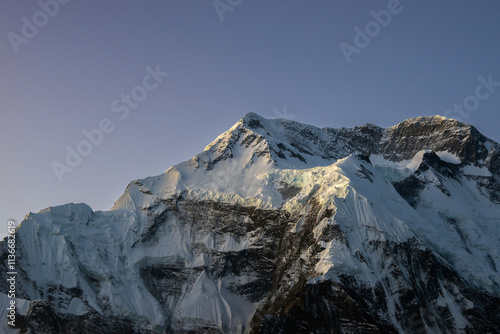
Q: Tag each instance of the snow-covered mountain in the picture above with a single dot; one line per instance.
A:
(280, 227)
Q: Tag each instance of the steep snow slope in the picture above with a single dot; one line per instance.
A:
(279, 225)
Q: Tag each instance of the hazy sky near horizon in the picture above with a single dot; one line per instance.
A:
(82, 65)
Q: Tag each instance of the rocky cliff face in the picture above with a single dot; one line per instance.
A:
(280, 227)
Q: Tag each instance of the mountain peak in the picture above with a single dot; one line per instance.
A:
(436, 133)
(402, 223)
(253, 120)
(290, 144)
(252, 115)
(431, 121)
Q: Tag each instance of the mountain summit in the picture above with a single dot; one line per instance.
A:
(280, 227)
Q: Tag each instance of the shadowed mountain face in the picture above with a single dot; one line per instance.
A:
(280, 227)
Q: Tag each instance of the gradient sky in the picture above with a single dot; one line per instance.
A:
(264, 56)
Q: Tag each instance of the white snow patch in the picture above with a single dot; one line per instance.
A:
(449, 157)
(412, 164)
(76, 307)
(232, 245)
(476, 171)
(209, 300)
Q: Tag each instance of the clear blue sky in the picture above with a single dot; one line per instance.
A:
(264, 55)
